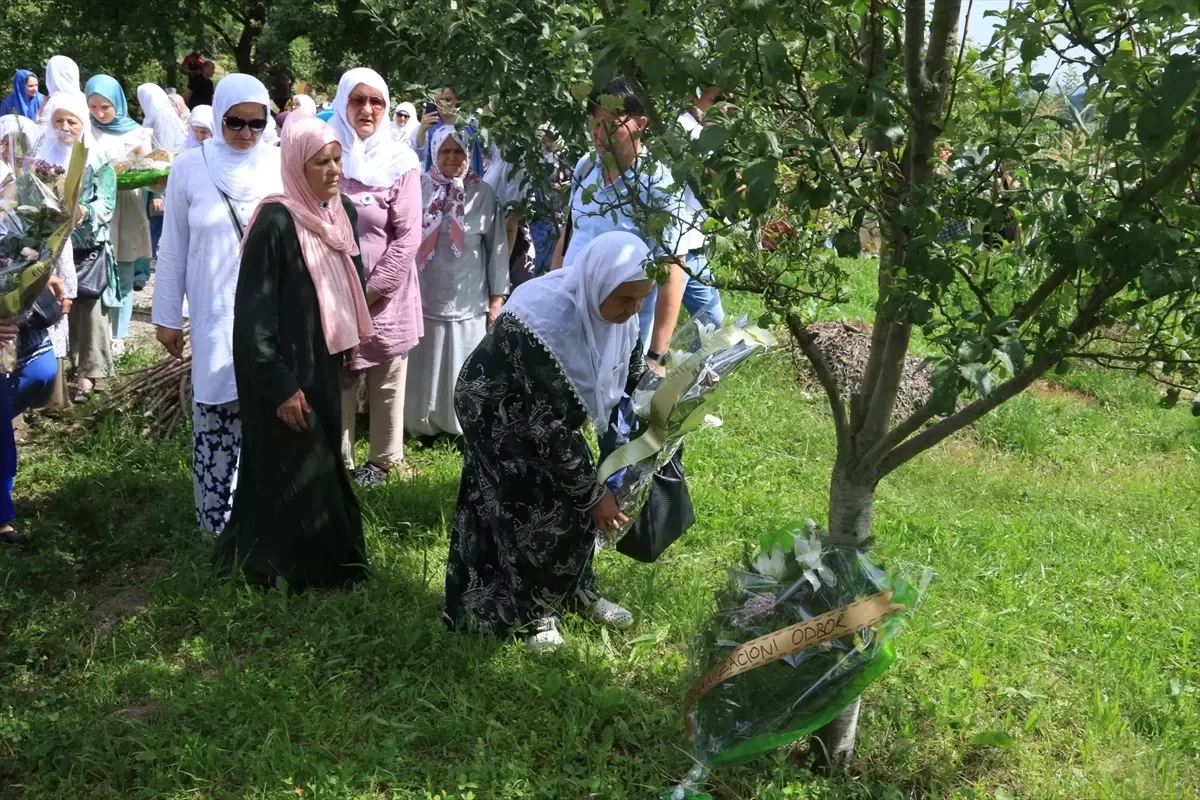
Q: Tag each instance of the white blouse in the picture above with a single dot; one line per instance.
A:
(199, 258)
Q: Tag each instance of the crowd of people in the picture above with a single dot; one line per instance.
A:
(301, 253)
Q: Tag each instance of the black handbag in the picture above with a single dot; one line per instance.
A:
(91, 272)
(668, 512)
(667, 515)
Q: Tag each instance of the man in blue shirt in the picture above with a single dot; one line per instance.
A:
(617, 189)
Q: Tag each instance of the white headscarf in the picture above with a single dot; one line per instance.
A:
(405, 132)
(159, 114)
(378, 160)
(13, 124)
(562, 309)
(56, 146)
(201, 117)
(62, 75)
(244, 175)
(270, 136)
(304, 104)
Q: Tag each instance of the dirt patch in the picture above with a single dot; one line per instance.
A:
(126, 603)
(153, 570)
(1045, 388)
(846, 346)
(140, 711)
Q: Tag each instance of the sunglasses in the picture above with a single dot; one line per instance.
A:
(403, 114)
(361, 100)
(237, 124)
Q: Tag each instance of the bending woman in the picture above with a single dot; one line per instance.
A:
(529, 504)
(300, 310)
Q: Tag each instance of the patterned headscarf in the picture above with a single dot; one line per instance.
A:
(447, 204)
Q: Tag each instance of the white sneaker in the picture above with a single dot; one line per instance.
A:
(605, 612)
(545, 637)
(117, 348)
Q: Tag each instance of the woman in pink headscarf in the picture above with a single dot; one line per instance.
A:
(299, 313)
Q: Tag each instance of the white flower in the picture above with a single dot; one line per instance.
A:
(772, 565)
(808, 556)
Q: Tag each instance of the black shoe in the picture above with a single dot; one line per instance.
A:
(139, 285)
(12, 537)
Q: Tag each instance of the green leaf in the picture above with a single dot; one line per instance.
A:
(1155, 126)
(1117, 126)
(1011, 354)
(821, 195)
(711, 139)
(992, 739)
(760, 184)
(846, 243)
(979, 377)
(945, 388)
(1179, 82)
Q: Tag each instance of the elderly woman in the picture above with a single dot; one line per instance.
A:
(529, 504)
(25, 99)
(200, 127)
(121, 139)
(382, 178)
(404, 123)
(212, 193)
(463, 259)
(300, 309)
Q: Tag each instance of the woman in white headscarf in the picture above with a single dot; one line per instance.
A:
(91, 248)
(304, 104)
(12, 128)
(382, 177)
(405, 123)
(200, 127)
(561, 353)
(160, 116)
(62, 75)
(211, 196)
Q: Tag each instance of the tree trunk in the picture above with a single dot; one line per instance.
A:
(851, 508)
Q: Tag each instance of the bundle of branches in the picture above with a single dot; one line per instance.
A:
(846, 346)
(161, 394)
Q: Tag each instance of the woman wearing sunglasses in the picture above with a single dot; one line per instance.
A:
(213, 191)
(381, 177)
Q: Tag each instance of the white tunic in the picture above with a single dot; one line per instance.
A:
(199, 258)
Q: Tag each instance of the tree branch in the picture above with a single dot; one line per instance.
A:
(897, 435)
(808, 345)
(882, 400)
(1145, 191)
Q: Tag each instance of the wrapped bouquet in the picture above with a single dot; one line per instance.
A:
(701, 359)
(37, 213)
(798, 633)
(136, 173)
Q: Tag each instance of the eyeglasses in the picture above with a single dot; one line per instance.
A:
(237, 124)
(362, 100)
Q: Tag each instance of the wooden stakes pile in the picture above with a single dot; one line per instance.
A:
(161, 394)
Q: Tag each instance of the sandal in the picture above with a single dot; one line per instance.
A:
(82, 395)
(12, 536)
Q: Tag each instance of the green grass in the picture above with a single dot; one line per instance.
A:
(1064, 612)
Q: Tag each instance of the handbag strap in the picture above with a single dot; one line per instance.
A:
(238, 227)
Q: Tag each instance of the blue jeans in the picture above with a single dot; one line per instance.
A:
(698, 297)
(18, 391)
(124, 311)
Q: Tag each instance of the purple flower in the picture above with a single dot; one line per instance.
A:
(760, 605)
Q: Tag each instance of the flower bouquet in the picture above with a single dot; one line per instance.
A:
(37, 214)
(699, 362)
(798, 633)
(137, 173)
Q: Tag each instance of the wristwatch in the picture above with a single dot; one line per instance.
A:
(659, 358)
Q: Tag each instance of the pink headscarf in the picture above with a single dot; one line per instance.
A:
(326, 238)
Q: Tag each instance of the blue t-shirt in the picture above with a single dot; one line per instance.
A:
(644, 196)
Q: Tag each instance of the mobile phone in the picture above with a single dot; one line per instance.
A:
(430, 107)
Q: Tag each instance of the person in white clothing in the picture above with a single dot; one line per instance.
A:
(212, 194)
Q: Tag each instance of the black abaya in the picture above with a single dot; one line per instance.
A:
(295, 517)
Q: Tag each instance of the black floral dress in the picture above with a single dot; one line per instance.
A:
(523, 536)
